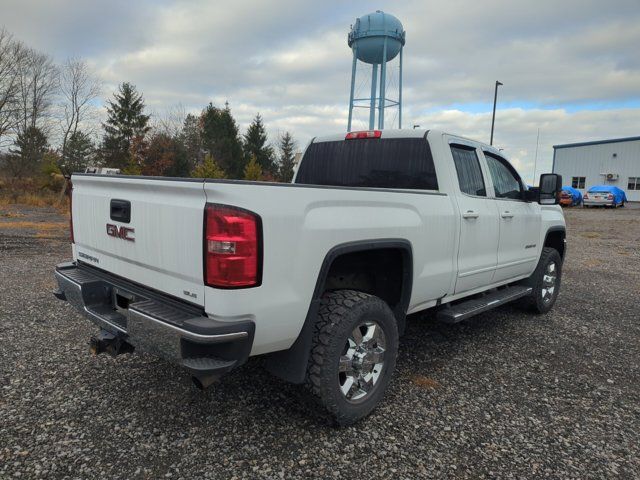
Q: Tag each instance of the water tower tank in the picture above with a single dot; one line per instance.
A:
(376, 39)
(368, 36)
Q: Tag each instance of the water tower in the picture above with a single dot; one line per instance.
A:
(376, 39)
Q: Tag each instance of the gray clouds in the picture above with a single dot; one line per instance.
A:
(290, 61)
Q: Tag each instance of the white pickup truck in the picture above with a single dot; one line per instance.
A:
(317, 275)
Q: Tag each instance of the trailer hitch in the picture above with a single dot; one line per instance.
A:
(106, 342)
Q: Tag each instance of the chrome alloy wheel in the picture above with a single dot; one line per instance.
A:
(362, 360)
(549, 282)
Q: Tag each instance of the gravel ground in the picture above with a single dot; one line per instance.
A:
(504, 395)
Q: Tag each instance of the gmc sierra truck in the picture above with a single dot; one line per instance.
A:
(318, 275)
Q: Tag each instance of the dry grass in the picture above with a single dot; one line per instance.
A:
(45, 236)
(12, 215)
(40, 226)
(591, 235)
(424, 382)
(37, 200)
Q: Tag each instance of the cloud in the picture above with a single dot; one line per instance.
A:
(516, 131)
(570, 68)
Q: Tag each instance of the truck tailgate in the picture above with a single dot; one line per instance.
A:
(159, 247)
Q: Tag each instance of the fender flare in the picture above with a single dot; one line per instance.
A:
(557, 228)
(291, 364)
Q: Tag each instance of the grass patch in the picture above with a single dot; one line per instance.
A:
(12, 215)
(46, 199)
(40, 226)
(591, 235)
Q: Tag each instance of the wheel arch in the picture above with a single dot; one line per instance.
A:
(556, 238)
(291, 364)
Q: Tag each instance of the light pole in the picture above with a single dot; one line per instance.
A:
(493, 118)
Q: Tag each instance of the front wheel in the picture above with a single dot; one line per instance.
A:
(355, 345)
(545, 282)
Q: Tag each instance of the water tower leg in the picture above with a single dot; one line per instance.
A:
(383, 84)
(353, 83)
(400, 92)
(374, 85)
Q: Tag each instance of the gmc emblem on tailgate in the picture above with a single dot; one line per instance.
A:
(125, 233)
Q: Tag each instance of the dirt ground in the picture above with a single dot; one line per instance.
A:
(504, 395)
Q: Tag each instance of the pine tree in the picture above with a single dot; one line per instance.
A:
(132, 167)
(208, 169)
(287, 157)
(125, 122)
(256, 145)
(220, 138)
(30, 147)
(191, 137)
(252, 171)
(79, 149)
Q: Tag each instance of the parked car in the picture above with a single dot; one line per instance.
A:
(604, 196)
(570, 197)
(318, 275)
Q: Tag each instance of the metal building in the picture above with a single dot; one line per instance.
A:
(604, 162)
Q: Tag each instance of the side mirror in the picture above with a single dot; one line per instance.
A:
(550, 188)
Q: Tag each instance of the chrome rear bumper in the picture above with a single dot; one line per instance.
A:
(155, 323)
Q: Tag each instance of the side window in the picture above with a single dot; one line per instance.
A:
(469, 171)
(578, 182)
(506, 183)
(634, 183)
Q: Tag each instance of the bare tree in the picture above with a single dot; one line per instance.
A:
(37, 87)
(169, 121)
(12, 60)
(78, 88)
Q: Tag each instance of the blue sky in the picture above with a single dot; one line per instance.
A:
(569, 68)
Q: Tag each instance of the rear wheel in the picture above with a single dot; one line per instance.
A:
(353, 356)
(545, 282)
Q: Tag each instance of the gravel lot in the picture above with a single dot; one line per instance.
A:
(504, 395)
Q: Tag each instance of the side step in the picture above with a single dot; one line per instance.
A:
(462, 311)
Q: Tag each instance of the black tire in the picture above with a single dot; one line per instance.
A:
(340, 313)
(537, 302)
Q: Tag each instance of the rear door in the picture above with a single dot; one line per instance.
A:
(477, 253)
(520, 221)
(145, 230)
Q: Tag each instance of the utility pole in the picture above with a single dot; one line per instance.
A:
(535, 159)
(493, 118)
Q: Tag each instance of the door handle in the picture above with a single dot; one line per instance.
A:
(470, 214)
(507, 214)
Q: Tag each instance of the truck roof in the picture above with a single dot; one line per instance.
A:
(405, 133)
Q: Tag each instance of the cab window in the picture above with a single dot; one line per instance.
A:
(506, 182)
(468, 170)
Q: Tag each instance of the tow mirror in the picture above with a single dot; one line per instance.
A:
(550, 188)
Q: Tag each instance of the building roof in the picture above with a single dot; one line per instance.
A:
(597, 142)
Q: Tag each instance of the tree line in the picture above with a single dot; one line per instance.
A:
(49, 123)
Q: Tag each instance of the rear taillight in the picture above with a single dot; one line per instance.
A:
(232, 247)
(363, 134)
(609, 197)
(586, 196)
(71, 212)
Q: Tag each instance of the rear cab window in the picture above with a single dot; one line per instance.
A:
(468, 170)
(398, 163)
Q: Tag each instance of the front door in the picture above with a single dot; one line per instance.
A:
(479, 232)
(519, 220)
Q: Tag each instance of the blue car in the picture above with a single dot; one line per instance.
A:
(570, 197)
(604, 196)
